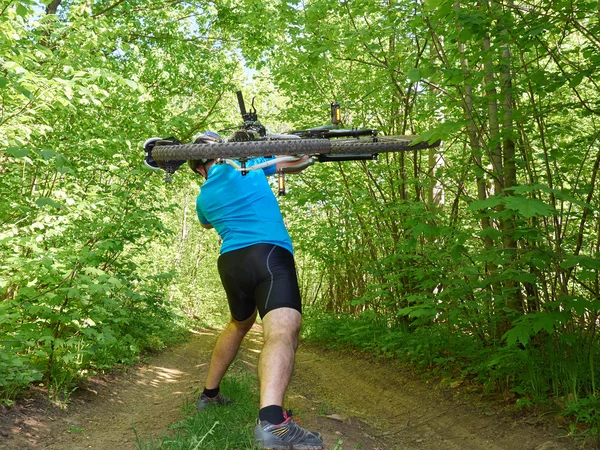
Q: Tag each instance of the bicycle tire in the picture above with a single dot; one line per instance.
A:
(248, 149)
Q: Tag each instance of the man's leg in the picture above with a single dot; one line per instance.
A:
(276, 429)
(226, 349)
(281, 327)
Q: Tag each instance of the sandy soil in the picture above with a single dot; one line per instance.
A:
(364, 403)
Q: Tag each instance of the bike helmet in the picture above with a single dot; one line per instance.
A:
(208, 137)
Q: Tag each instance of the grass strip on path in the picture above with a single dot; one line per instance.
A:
(215, 428)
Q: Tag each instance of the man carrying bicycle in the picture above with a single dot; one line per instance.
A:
(258, 273)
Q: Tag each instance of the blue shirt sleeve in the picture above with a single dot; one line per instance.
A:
(201, 216)
(271, 169)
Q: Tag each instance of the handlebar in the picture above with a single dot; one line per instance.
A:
(248, 117)
(241, 102)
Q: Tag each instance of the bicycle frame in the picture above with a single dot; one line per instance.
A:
(272, 162)
(251, 125)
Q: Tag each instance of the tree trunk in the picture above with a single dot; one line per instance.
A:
(53, 6)
(495, 148)
(515, 301)
(475, 145)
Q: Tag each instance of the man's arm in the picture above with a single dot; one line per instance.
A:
(203, 220)
(293, 167)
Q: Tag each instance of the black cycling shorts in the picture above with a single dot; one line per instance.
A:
(261, 276)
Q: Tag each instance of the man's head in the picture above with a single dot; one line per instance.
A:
(201, 166)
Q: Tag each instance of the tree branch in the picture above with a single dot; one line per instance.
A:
(108, 8)
(196, 127)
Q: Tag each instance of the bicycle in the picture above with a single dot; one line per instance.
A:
(326, 143)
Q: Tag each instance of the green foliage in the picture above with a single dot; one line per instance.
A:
(586, 413)
(87, 243)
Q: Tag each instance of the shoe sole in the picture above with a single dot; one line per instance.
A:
(292, 447)
(278, 446)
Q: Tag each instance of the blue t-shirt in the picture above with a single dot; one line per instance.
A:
(242, 209)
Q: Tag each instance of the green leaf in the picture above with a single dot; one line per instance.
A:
(3, 82)
(490, 202)
(132, 84)
(529, 188)
(47, 154)
(442, 132)
(414, 74)
(44, 201)
(26, 92)
(577, 304)
(465, 35)
(525, 277)
(543, 321)
(18, 152)
(98, 288)
(93, 271)
(73, 293)
(589, 262)
(491, 232)
(46, 261)
(115, 281)
(521, 332)
(62, 164)
(21, 10)
(581, 261)
(528, 207)
(587, 275)
(576, 80)
(432, 4)
(424, 311)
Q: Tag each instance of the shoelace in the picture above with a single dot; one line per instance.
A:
(288, 415)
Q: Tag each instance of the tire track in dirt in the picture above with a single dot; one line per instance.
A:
(386, 407)
(371, 405)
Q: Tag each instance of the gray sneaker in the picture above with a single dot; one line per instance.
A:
(286, 436)
(219, 400)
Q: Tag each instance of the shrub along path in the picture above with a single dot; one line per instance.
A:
(366, 404)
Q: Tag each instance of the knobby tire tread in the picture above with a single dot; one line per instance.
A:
(249, 149)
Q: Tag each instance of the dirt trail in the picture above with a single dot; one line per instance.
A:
(371, 405)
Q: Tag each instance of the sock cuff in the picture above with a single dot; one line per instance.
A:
(272, 414)
(211, 393)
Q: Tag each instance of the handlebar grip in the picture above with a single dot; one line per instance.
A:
(241, 102)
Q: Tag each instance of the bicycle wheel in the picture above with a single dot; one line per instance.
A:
(384, 144)
(248, 149)
(245, 149)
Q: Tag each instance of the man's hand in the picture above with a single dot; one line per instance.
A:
(208, 226)
(295, 166)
